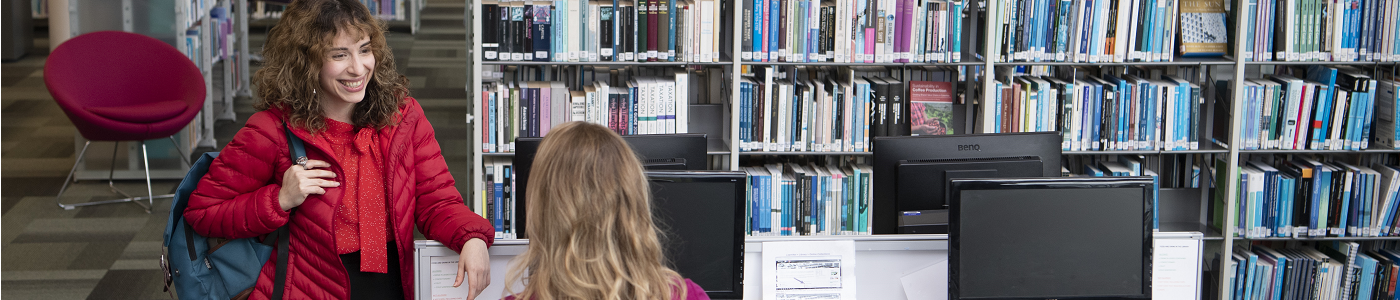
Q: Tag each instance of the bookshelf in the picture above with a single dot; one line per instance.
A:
(1186, 207)
(397, 13)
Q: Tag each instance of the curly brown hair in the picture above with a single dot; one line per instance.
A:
(295, 51)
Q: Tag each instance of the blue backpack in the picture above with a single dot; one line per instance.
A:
(202, 267)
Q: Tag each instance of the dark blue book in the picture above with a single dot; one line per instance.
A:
(541, 32)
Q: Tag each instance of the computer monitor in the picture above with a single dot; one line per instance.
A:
(1051, 238)
(657, 152)
(703, 217)
(911, 173)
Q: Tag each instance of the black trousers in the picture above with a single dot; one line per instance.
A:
(365, 285)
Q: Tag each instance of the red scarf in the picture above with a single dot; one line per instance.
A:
(361, 219)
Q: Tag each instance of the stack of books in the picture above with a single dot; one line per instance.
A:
(1322, 270)
(588, 31)
(641, 105)
(1326, 109)
(1320, 30)
(1304, 197)
(1101, 114)
(869, 31)
(808, 199)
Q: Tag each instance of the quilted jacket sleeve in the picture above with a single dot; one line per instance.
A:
(441, 213)
(238, 197)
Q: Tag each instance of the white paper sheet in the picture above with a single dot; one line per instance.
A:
(1176, 269)
(444, 273)
(929, 283)
(809, 270)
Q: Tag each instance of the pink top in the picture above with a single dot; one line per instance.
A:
(692, 292)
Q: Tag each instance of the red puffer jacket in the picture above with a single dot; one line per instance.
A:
(238, 199)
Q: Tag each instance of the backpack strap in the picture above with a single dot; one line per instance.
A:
(283, 235)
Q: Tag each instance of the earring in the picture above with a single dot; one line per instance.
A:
(313, 91)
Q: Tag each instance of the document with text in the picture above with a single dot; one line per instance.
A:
(444, 273)
(809, 270)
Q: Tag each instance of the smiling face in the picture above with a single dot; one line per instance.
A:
(346, 71)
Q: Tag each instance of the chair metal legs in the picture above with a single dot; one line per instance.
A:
(145, 162)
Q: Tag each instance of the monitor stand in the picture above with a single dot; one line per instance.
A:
(923, 222)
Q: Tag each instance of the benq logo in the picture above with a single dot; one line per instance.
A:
(973, 147)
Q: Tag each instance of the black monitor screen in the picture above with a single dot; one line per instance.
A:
(923, 183)
(1060, 238)
(702, 214)
(889, 152)
(656, 151)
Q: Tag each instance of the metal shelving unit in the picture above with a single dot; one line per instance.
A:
(1189, 208)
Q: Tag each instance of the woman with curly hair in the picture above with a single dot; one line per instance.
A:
(591, 231)
(375, 169)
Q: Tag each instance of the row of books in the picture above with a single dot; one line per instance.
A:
(265, 10)
(871, 31)
(1101, 113)
(642, 105)
(224, 40)
(838, 113)
(497, 202)
(626, 30)
(1327, 109)
(194, 12)
(1304, 197)
(791, 199)
(1325, 270)
(384, 9)
(1106, 31)
(1125, 166)
(1320, 30)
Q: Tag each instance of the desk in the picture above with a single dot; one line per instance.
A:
(881, 261)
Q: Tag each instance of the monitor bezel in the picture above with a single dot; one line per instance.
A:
(734, 177)
(956, 187)
(523, 161)
(887, 151)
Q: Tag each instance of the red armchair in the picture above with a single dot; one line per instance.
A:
(119, 86)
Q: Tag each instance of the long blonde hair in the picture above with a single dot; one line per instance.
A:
(591, 231)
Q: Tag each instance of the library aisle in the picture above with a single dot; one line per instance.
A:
(112, 251)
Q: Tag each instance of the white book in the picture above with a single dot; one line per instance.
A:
(775, 186)
(802, 115)
(706, 30)
(604, 109)
(891, 26)
(657, 112)
(575, 30)
(646, 115)
(1335, 140)
(668, 96)
(1287, 52)
(767, 143)
(1076, 132)
(682, 94)
(842, 27)
(1339, 27)
(1121, 31)
(784, 119)
(1080, 28)
(1389, 184)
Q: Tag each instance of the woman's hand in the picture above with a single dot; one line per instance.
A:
(475, 264)
(299, 182)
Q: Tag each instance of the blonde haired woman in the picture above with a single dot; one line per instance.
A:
(591, 231)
